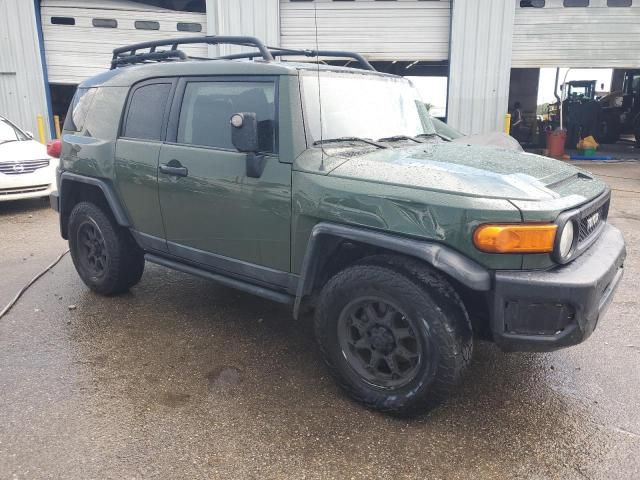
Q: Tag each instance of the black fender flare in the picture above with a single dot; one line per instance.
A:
(443, 258)
(68, 178)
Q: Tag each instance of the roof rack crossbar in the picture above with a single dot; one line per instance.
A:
(286, 52)
(127, 54)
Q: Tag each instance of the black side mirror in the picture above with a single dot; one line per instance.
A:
(244, 136)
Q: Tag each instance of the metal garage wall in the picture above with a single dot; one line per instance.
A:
(398, 30)
(480, 64)
(22, 93)
(75, 52)
(258, 18)
(594, 36)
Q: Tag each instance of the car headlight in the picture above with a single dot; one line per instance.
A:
(567, 235)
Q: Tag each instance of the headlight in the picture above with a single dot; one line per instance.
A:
(566, 240)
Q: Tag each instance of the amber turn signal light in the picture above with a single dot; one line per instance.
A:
(515, 238)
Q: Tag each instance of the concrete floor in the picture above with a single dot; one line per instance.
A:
(185, 379)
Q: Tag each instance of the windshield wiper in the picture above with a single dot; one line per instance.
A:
(7, 141)
(430, 135)
(349, 139)
(397, 138)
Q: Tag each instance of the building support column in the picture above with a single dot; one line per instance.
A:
(257, 18)
(480, 64)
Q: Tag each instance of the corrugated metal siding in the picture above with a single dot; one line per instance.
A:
(480, 64)
(22, 94)
(75, 52)
(258, 18)
(398, 30)
(594, 36)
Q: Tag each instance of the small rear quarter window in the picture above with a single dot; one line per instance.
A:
(146, 112)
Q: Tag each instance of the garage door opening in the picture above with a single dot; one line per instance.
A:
(61, 95)
(601, 102)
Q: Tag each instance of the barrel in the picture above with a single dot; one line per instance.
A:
(555, 142)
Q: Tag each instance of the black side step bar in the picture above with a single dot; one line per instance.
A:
(221, 279)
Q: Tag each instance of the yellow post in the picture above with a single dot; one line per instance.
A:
(507, 123)
(56, 123)
(41, 134)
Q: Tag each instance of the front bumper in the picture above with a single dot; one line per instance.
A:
(39, 183)
(547, 310)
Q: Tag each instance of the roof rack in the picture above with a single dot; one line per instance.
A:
(129, 55)
(287, 52)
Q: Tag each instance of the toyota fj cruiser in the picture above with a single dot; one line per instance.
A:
(327, 188)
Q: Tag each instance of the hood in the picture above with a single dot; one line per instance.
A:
(496, 139)
(472, 170)
(24, 150)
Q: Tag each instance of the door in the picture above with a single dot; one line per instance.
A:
(213, 213)
(136, 158)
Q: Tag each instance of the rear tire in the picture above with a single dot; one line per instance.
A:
(394, 334)
(105, 255)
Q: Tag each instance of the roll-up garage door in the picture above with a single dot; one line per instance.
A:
(381, 30)
(597, 35)
(79, 36)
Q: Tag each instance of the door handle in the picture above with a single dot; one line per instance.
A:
(175, 168)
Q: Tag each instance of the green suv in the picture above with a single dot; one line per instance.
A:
(328, 189)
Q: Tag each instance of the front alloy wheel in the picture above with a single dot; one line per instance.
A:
(379, 342)
(394, 334)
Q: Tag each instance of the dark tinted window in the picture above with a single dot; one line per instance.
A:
(576, 3)
(63, 20)
(532, 3)
(146, 112)
(147, 25)
(207, 108)
(105, 22)
(78, 109)
(619, 3)
(189, 27)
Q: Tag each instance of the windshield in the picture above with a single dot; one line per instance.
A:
(362, 106)
(10, 133)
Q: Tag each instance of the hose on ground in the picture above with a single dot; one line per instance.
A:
(10, 305)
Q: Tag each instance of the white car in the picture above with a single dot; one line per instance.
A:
(26, 171)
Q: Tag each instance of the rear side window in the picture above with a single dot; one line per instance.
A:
(78, 109)
(146, 112)
(207, 108)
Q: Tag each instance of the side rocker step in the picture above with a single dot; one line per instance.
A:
(223, 280)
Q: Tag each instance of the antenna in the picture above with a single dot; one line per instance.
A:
(315, 20)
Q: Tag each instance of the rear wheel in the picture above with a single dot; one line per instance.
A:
(105, 255)
(394, 334)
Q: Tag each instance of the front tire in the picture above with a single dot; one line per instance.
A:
(105, 255)
(394, 334)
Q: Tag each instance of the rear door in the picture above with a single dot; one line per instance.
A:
(213, 213)
(136, 160)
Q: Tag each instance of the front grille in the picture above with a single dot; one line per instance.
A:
(19, 190)
(24, 166)
(591, 217)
